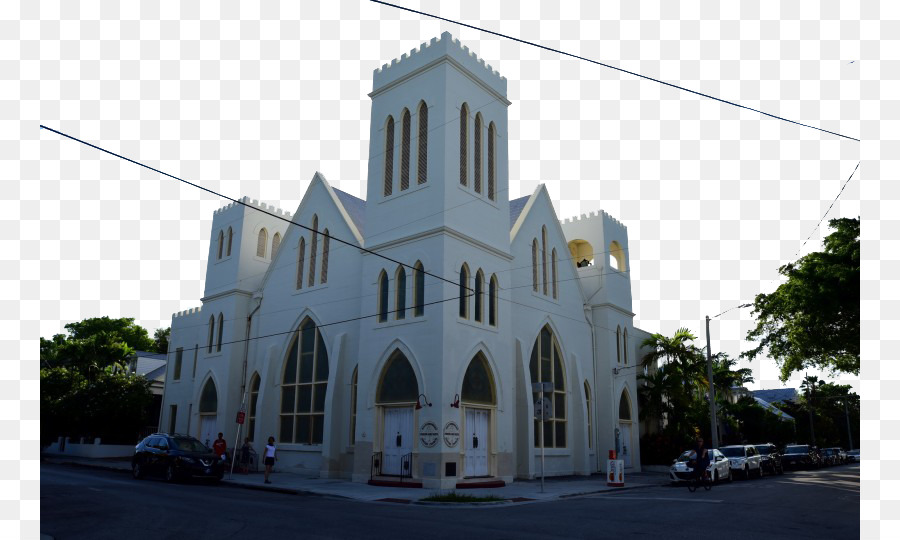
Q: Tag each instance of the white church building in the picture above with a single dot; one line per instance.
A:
(401, 336)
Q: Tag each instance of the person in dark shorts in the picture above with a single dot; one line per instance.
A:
(701, 458)
(271, 457)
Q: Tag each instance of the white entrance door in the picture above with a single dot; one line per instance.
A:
(398, 439)
(477, 421)
(625, 441)
(208, 433)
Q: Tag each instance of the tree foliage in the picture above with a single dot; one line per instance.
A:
(812, 320)
(161, 340)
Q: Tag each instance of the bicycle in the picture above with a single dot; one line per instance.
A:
(697, 479)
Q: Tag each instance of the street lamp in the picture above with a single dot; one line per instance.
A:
(714, 425)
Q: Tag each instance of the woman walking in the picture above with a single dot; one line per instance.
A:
(271, 458)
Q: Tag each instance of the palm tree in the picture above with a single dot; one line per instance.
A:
(677, 377)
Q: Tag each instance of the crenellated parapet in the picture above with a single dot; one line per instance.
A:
(593, 215)
(247, 201)
(432, 51)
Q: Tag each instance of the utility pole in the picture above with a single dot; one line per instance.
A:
(714, 425)
(849, 432)
(812, 431)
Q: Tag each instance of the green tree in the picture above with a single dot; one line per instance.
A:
(812, 320)
(161, 340)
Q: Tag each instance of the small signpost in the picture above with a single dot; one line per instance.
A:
(240, 417)
(543, 411)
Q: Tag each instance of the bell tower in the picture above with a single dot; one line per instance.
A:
(438, 146)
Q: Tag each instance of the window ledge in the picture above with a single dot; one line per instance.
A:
(390, 323)
(307, 289)
(470, 190)
(479, 325)
(414, 186)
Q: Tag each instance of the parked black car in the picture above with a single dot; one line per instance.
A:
(800, 455)
(833, 456)
(771, 458)
(175, 457)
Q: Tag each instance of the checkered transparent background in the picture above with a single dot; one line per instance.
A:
(252, 100)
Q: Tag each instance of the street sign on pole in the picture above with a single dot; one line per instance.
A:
(543, 409)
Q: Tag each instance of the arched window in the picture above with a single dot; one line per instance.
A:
(544, 257)
(219, 338)
(418, 289)
(491, 172)
(587, 401)
(301, 256)
(212, 333)
(261, 242)
(534, 264)
(479, 295)
(547, 366)
(398, 381)
(313, 245)
(553, 272)
(276, 243)
(464, 292)
(492, 301)
(325, 241)
(404, 149)
(230, 239)
(401, 293)
(389, 156)
(582, 253)
(464, 145)
(477, 153)
(220, 242)
(303, 387)
(423, 143)
(478, 384)
(624, 406)
(353, 384)
(254, 394)
(625, 346)
(209, 398)
(382, 297)
(618, 346)
(616, 256)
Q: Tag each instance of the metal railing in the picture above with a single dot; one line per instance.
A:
(406, 466)
(375, 469)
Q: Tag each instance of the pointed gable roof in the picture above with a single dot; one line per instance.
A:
(515, 209)
(354, 206)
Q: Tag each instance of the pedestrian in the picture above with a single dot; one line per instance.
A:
(271, 457)
(245, 456)
(220, 446)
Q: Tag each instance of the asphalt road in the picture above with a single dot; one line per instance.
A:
(83, 503)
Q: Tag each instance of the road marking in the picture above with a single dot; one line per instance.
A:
(681, 499)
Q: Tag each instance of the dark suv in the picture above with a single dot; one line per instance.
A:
(801, 455)
(771, 458)
(175, 457)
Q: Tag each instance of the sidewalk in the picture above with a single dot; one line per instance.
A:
(295, 483)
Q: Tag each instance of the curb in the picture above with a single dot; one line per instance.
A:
(88, 465)
(606, 491)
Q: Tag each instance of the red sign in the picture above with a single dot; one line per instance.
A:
(240, 417)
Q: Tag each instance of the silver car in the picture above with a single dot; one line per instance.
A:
(719, 469)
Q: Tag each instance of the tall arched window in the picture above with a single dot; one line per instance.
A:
(354, 379)
(423, 143)
(544, 256)
(230, 239)
(303, 387)
(618, 346)
(478, 382)
(254, 394)
(301, 257)
(389, 156)
(464, 292)
(492, 301)
(276, 243)
(479, 295)
(477, 153)
(261, 242)
(209, 398)
(624, 406)
(553, 272)
(212, 333)
(382, 297)
(418, 289)
(325, 241)
(534, 264)
(313, 245)
(547, 366)
(401, 293)
(398, 382)
(587, 402)
(491, 172)
(464, 145)
(221, 241)
(219, 338)
(625, 346)
(405, 129)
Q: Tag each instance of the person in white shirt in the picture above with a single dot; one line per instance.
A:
(271, 458)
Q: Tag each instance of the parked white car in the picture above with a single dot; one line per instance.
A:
(719, 469)
(744, 460)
